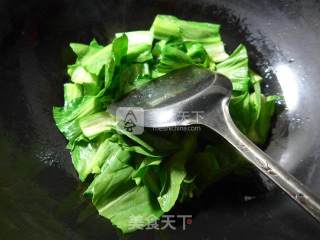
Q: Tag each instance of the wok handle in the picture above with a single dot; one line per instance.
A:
(288, 183)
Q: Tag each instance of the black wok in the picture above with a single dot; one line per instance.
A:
(40, 195)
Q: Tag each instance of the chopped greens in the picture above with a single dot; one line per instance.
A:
(144, 176)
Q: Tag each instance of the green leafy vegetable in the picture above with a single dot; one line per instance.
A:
(176, 173)
(142, 177)
(72, 92)
(97, 123)
(139, 46)
(118, 198)
(236, 69)
(166, 27)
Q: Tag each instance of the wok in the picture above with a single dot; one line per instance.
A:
(40, 195)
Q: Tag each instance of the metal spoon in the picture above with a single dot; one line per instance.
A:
(197, 90)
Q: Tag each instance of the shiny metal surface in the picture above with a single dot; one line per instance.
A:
(40, 195)
(194, 89)
(164, 98)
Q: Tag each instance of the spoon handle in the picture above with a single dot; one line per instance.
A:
(288, 183)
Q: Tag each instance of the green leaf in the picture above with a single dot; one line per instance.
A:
(133, 76)
(172, 58)
(119, 48)
(165, 27)
(118, 198)
(96, 58)
(142, 151)
(200, 32)
(205, 166)
(71, 92)
(255, 81)
(146, 164)
(216, 51)
(135, 139)
(236, 69)
(88, 157)
(82, 155)
(67, 118)
(139, 45)
(254, 119)
(81, 76)
(196, 51)
(97, 123)
(79, 49)
(175, 168)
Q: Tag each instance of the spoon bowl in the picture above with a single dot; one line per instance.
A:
(180, 98)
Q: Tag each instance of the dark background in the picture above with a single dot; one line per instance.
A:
(40, 195)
